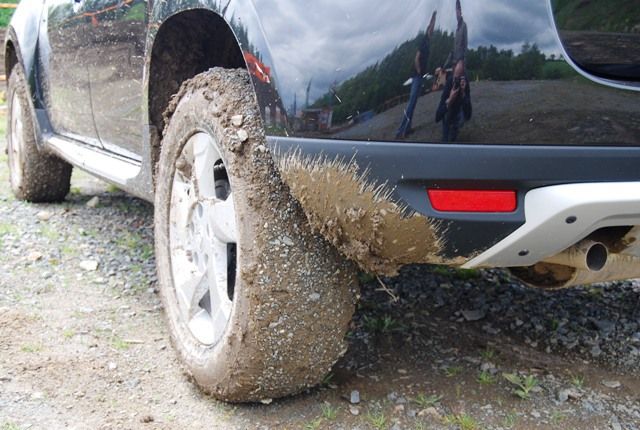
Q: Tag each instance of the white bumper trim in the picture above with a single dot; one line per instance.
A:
(548, 212)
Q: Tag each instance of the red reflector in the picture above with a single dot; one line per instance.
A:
(473, 200)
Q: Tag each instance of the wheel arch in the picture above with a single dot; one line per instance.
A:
(185, 44)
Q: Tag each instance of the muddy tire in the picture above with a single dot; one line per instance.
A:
(257, 304)
(35, 175)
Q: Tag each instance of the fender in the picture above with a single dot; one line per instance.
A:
(243, 20)
(23, 35)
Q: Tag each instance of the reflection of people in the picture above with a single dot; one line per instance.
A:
(455, 104)
(419, 70)
(461, 41)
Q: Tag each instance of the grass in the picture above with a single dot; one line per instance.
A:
(377, 419)
(329, 412)
(49, 232)
(610, 15)
(486, 378)
(462, 421)
(5, 17)
(68, 333)
(577, 381)
(523, 385)
(313, 425)
(31, 348)
(452, 371)
(8, 425)
(510, 420)
(425, 401)
(488, 354)
(119, 344)
(384, 324)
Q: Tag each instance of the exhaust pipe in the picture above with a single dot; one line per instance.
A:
(586, 255)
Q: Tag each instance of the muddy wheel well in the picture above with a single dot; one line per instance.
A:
(187, 44)
(10, 59)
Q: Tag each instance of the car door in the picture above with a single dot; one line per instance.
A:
(63, 47)
(116, 32)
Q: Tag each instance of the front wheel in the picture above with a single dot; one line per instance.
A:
(257, 304)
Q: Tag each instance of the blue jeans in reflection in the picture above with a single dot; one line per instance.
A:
(405, 126)
(451, 126)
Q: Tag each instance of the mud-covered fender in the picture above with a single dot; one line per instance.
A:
(243, 20)
(22, 34)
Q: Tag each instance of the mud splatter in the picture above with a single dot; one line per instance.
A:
(359, 216)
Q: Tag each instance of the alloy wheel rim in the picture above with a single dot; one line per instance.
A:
(202, 236)
(16, 143)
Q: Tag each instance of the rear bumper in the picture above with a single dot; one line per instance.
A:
(409, 169)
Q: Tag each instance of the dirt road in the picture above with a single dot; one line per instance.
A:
(83, 343)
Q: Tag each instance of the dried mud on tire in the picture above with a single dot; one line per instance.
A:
(294, 294)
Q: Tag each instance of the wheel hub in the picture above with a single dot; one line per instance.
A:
(202, 234)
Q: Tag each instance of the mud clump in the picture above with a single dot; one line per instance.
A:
(358, 216)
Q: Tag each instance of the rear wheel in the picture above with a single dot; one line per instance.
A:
(257, 304)
(35, 175)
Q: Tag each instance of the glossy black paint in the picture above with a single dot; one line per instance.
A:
(330, 76)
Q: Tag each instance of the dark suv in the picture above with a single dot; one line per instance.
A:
(287, 145)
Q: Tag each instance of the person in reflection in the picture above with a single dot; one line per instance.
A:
(455, 104)
(419, 70)
(461, 41)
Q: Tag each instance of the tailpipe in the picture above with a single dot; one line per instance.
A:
(586, 255)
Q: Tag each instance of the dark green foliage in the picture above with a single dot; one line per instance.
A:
(598, 15)
(5, 14)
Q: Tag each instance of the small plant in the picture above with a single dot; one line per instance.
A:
(441, 270)
(554, 324)
(427, 401)
(488, 354)
(452, 371)
(466, 274)
(119, 343)
(577, 381)
(327, 380)
(377, 420)
(9, 426)
(463, 421)
(486, 378)
(31, 348)
(68, 333)
(557, 417)
(384, 324)
(329, 412)
(313, 425)
(524, 385)
(509, 420)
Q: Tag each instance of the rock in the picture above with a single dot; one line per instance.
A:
(242, 134)
(611, 384)
(354, 410)
(473, 315)
(38, 395)
(34, 256)
(398, 409)
(562, 395)
(146, 419)
(286, 240)
(595, 351)
(615, 424)
(237, 120)
(44, 215)
(535, 414)
(93, 202)
(392, 397)
(354, 398)
(89, 265)
(314, 297)
(412, 413)
(430, 412)
(488, 367)
(112, 366)
(266, 401)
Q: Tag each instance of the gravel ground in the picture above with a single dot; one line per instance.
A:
(83, 342)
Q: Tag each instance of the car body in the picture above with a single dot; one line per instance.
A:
(549, 158)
